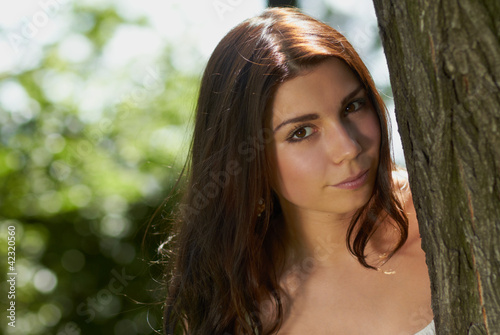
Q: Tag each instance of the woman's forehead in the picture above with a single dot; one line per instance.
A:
(325, 84)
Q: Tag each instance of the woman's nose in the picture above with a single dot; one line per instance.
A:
(343, 144)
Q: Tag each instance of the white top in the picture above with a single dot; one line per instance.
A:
(429, 330)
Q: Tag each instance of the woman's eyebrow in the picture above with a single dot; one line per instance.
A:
(302, 118)
(312, 116)
(351, 95)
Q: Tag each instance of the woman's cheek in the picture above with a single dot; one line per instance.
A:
(372, 130)
(297, 169)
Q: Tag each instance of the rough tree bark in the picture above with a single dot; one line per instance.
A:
(444, 64)
(281, 3)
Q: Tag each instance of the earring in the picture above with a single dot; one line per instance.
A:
(261, 206)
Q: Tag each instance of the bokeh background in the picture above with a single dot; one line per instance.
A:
(96, 99)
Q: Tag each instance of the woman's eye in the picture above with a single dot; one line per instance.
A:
(301, 133)
(354, 106)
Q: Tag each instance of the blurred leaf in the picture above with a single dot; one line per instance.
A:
(86, 154)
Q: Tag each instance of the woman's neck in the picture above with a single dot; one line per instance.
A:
(321, 237)
(315, 234)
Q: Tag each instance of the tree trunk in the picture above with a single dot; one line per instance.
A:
(281, 3)
(444, 64)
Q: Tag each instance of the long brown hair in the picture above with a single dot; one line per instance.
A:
(229, 257)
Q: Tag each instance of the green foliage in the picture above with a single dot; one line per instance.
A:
(86, 155)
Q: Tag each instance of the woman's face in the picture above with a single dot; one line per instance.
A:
(325, 148)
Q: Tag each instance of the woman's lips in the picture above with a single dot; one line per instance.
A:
(353, 182)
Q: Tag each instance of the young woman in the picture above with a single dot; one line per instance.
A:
(292, 220)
